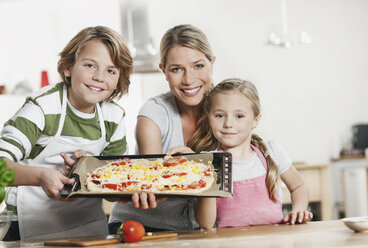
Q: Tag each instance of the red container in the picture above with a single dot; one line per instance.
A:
(44, 79)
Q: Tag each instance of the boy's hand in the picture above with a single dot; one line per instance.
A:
(69, 161)
(298, 217)
(52, 182)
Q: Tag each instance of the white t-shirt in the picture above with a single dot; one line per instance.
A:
(163, 111)
(253, 166)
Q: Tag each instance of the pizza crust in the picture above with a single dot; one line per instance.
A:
(128, 175)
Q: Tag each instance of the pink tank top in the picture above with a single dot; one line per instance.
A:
(250, 204)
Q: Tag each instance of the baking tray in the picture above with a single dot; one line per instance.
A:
(221, 161)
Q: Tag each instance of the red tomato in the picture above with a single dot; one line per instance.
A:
(197, 185)
(174, 161)
(207, 173)
(110, 186)
(124, 161)
(145, 186)
(131, 231)
(175, 174)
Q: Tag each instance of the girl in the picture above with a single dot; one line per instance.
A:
(231, 112)
(77, 113)
(170, 120)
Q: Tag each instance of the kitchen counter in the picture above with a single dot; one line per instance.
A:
(331, 233)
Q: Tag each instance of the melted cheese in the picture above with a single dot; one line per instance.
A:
(150, 176)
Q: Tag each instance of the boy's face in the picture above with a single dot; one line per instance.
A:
(232, 119)
(93, 76)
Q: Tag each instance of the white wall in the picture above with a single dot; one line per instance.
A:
(311, 94)
(33, 32)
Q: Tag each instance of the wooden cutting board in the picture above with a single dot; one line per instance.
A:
(81, 242)
(84, 242)
(159, 235)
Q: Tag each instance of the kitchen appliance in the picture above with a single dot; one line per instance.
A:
(135, 29)
(360, 136)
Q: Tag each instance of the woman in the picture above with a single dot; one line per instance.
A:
(169, 120)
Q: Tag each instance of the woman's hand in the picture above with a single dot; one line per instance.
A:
(179, 149)
(298, 217)
(52, 182)
(69, 161)
(143, 200)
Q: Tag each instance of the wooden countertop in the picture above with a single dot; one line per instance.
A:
(302, 166)
(313, 234)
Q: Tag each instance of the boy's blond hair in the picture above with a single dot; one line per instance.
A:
(118, 50)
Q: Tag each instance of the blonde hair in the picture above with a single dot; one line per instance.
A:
(204, 140)
(119, 52)
(187, 36)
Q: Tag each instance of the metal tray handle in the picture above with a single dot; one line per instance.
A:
(69, 188)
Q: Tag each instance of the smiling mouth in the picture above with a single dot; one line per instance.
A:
(228, 133)
(191, 92)
(96, 89)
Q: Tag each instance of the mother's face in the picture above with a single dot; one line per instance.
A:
(189, 74)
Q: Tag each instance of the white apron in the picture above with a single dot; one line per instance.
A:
(41, 217)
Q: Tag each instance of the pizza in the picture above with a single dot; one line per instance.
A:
(167, 174)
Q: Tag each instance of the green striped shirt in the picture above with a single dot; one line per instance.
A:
(35, 124)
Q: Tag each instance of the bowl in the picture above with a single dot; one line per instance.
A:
(5, 219)
(357, 224)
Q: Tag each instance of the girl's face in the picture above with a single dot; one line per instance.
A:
(93, 76)
(232, 119)
(189, 73)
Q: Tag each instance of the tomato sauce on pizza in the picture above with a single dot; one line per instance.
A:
(161, 175)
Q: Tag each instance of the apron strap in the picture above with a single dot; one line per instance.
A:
(63, 111)
(102, 122)
(63, 114)
(258, 152)
(260, 155)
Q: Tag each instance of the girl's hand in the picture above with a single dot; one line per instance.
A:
(179, 149)
(298, 217)
(143, 200)
(52, 182)
(69, 161)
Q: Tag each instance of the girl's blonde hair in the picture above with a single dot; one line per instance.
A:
(118, 50)
(204, 140)
(187, 36)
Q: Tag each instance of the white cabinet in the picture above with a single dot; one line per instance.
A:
(349, 187)
(355, 191)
